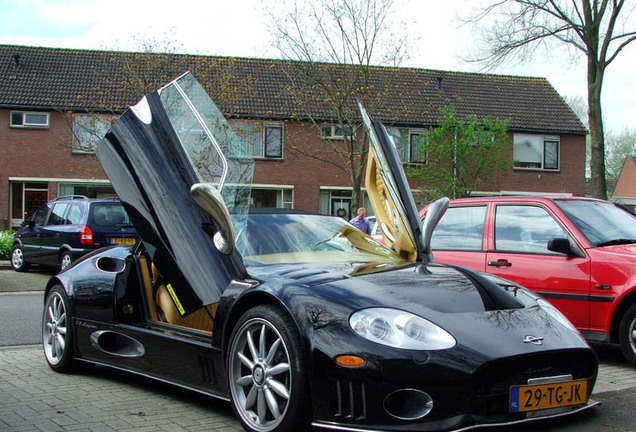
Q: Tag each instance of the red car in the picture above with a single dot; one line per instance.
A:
(579, 253)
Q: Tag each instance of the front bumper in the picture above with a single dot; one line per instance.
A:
(462, 399)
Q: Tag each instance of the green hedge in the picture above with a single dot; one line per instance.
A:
(6, 241)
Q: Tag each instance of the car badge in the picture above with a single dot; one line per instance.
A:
(533, 340)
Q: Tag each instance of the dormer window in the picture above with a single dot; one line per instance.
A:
(29, 120)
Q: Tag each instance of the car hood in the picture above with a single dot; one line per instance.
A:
(627, 250)
(464, 303)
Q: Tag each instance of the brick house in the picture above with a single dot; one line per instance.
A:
(625, 190)
(55, 103)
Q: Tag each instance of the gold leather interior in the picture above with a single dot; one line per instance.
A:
(161, 307)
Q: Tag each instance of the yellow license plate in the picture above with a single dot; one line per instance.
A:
(543, 396)
(122, 241)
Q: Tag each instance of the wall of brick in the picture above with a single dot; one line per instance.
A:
(570, 178)
(40, 154)
(46, 154)
(306, 174)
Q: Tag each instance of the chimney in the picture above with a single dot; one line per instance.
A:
(439, 82)
(16, 60)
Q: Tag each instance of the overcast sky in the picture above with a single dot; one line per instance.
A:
(240, 28)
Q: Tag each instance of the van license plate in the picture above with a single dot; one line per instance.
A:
(122, 241)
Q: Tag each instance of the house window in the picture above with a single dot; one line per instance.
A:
(277, 198)
(335, 132)
(261, 140)
(536, 152)
(29, 120)
(273, 141)
(410, 144)
(88, 130)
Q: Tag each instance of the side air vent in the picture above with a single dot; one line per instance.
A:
(116, 344)
(350, 400)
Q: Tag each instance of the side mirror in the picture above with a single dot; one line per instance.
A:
(28, 223)
(562, 245)
(211, 201)
(433, 215)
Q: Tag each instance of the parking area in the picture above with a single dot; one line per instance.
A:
(34, 398)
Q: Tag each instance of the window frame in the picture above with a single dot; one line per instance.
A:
(546, 140)
(29, 125)
(98, 126)
(412, 132)
(248, 130)
(333, 129)
(284, 195)
(267, 127)
(420, 133)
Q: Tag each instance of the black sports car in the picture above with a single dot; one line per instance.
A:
(300, 318)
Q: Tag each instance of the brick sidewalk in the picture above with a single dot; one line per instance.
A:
(33, 397)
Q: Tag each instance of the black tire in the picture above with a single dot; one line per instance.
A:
(65, 260)
(57, 332)
(17, 260)
(627, 335)
(268, 387)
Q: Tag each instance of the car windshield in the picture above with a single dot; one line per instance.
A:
(601, 222)
(294, 238)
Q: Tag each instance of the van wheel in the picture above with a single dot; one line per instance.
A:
(17, 260)
(627, 335)
(65, 261)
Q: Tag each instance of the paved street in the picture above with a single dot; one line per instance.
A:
(33, 280)
(34, 398)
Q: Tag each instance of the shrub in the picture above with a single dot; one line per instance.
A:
(6, 241)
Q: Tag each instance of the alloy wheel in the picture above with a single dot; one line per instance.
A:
(54, 328)
(17, 258)
(260, 378)
(65, 261)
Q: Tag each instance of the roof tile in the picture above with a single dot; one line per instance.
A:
(70, 79)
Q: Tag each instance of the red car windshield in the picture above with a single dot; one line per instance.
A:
(601, 222)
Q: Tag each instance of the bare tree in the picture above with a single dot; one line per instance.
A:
(337, 42)
(121, 78)
(600, 29)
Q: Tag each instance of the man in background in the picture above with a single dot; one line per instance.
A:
(361, 222)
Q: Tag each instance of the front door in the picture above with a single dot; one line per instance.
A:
(33, 200)
(341, 207)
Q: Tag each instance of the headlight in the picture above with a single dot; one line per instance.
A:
(399, 329)
(554, 313)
